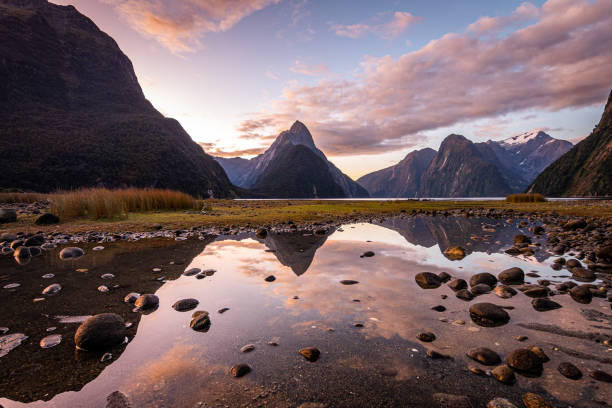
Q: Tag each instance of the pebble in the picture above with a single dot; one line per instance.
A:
(51, 341)
(131, 297)
(200, 321)
(525, 361)
(600, 375)
(310, 353)
(349, 282)
(484, 356)
(52, 289)
(71, 253)
(100, 332)
(247, 349)
(570, 371)
(107, 276)
(503, 374)
(103, 289)
(223, 310)
(532, 400)
(488, 315)
(147, 301)
(544, 304)
(500, 403)
(185, 305)
(270, 278)
(428, 280)
(426, 337)
(11, 286)
(97, 248)
(452, 401)
(192, 271)
(367, 254)
(48, 276)
(240, 369)
(106, 357)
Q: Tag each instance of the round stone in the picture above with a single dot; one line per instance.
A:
(488, 315)
(100, 332)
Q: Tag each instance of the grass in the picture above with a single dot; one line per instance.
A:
(102, 203)
(526, 198)
(16, 197)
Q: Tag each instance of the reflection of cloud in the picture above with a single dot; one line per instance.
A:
(397, 24)
(559, 61)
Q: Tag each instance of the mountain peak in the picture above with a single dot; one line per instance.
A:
(298, 134)
(526, 137)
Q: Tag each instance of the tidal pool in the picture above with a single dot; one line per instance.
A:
(366, 332)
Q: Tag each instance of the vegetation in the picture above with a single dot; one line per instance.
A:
(16, 197)
(97, 203)
(526, 198)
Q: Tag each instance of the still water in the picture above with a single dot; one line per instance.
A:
(366, 332)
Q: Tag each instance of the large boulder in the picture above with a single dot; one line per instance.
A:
(47, 219)
(100, 332)
(7, 215)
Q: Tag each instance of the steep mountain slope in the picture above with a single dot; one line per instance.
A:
(400, 180)
(248, 174)
(586, 170)
(72, 113)
(460, 170)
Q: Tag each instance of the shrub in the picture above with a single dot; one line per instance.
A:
(525, 198)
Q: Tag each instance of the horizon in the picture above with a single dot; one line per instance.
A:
(236, 74)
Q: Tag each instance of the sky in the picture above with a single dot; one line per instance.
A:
(372, 80)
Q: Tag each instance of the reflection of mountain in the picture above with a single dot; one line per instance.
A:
(295, 250)
(473, 234)
(31, 373)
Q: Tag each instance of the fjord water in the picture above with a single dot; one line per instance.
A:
(166, 364)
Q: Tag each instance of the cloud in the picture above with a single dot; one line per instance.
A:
(212, 149)
(180, 25)
(560, 60)
(312, 70)
(272, 75)
(397, 24)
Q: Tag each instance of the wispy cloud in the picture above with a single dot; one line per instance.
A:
(394, 25)
(556, 58)
(212, 149)
(181, 25)
(300, 67)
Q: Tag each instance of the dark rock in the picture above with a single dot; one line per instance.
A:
(7, 215)
(583, 274)
(537, 350)
(247, 348)
(223, 310)
(573, 263)
(464, 294)
(504, 292)
(349, 282)
(574, 224)
(426, 337)
(270, 278)
(605, 254)
(503, 374)
(438, 308)
(185, 305)
(310, 353)
(71, 253)
(544, 305)
(500, 403)
(455, 253)
(457, 284)
(147, 301)
(239, 370)
(484, 356)
(47, 219)
(485, 277)
(570, 371)
(525, 361)
(52, 289)
(512, 276)
(131, 297)
(200, 321)
(36, 240)
(100, 332)
(480, 289)
(427, 280)
(600, 375)
(367, 254)
(261, 233)
(488, 315)
(117, 400)
(521, 239)
(35, 251)
(192, 271)
(581, 294)
(532, 400)
(22, 252)
(537, 291)
(444, 277)
(16, 244)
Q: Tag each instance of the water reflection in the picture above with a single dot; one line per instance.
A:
(166, 364)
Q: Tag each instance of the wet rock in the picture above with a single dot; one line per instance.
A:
(457, 284)
(117, 400)
(310, 353)
(605, 253)
(427, 337)
(22, 252)
(106, 357)
(484, 277)
(464, 294)
(452, 401)
(438, 308)
(581, 294)
(488, 315)
(241, 369)
(349, 282)
(223, 310)
(7, 215)
(97, 248)
(103, 289)
(51, 341)
(444, 277)
(583, 274)
(521, 239)
(532, 400)
(573, 263)
(513, 251)
(34, 241)
(247, 349)
(16, 244)
(427, 280)
(367, 254)
(512, 276)
(525, 361)
(477, 370)
(574, 224)
(436, 355)
(570, 371)
(131, 297)
(504, 292)
(107, 276)
(147, 301)
(100, 332)
(185, 305)
(270, 278)
(537, 350)
(503, 374)
(536, 291)
(52, 289)
(600, 375)
(480, 289)
(192, 271)
(484, 356)
(261, 233)
(71, 253)
(544, 304)
(500, 403)
(200, 321)
(455, 253)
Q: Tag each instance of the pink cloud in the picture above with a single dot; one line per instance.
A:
(560, 60)
(300, 67)
(399, 22)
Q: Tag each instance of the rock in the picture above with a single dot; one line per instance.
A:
(247, 349)
(223, 310)
(349, 282)
(488, 315)
(605, 253)
(484, 356)
(500, 403)
(484, 277)
(16, 244)
(184, 305)
(427, 280)
(504, 292)
(131, 297)
(240, 369)
(7, 215)
(103, 289)
(455, 253)
(512, 276)
(574, 224)
(573, 263)
(532, 400)
(147, 301)
(581, 294)
(270, 278)
(477, 370)
(34, 241)
(71, 253)
(367, 254)
(600, 375)
(540, 353)
(570, 371)
(200, 321)
(52, 289)
(427, 337)
(47, 219)
(261, 233)
(525, 361)
(452, 401)
(480, 289)
(51, 341)
(192, 271)
(537, 291)
(521, 239)
(435, 355)
(22, 252)
(503, 374)
(97, 248)
(438, 308)
(583, 274)
(544, 304)
(457, 284)
(464, 294)
(444, 277)
(117, 400)
(310, 353)
(100, 332)
(107, 276)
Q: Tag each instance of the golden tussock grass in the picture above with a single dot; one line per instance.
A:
(12, 198)
(525, 198)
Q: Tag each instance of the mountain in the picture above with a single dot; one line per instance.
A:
(310, 174)
(72, 113)
(459, 169)
(400, 180)
(586, 170)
